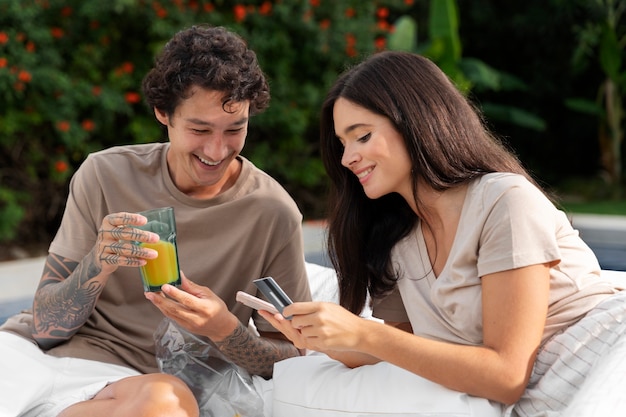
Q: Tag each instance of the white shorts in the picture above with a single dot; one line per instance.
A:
(34, 384)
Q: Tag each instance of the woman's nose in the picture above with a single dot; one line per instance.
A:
(349, 157)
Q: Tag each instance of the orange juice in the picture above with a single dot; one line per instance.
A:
(163, 269)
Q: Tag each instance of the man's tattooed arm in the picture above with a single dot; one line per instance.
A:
(65, 297)
(68, 290)
(256, 354)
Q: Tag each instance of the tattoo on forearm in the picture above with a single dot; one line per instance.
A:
(62, 308)
(257, 355)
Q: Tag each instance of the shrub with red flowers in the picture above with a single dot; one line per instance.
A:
(71, 70)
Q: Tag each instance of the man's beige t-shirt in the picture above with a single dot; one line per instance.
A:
(506, 223)
(250, 231)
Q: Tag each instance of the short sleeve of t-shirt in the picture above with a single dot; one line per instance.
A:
(520, 225)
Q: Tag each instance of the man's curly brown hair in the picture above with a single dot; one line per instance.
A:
(211, 58)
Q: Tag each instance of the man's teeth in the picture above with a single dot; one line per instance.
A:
(204, 161)
(364, 173)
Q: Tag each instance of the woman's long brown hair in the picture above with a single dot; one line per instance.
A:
(445, 138)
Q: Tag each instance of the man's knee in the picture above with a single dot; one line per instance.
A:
(151, 395)
(165, 395)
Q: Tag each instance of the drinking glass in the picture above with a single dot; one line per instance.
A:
(163, 269)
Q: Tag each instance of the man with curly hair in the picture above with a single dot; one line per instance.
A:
(89, 338)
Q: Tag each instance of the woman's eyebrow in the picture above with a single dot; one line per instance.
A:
(353, 127)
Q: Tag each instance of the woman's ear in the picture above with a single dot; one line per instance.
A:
(162, 116)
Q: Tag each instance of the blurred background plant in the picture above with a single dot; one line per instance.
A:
(70, 72)
(602, 42)
(443, 46)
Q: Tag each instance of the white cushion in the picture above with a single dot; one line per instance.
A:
(323, 283)
(617, 277)
(317, 386)
(324, 286)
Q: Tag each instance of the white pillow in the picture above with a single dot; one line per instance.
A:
(602, 392)
(317, 386)
(323, 283)
(324, 286)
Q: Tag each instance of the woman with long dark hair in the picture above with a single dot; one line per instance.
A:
(476, 274)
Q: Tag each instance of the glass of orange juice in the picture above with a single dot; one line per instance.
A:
(164, 268)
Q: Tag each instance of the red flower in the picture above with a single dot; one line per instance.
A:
(208, 7)
(325, 24)
(380, 43)
(383, 25)
(350, 12)
(60, 166)
(4, 38)
(408, 2)
(382, 12)
(127, 67)
(350, 43)
(240, 13)
(57, 32)
(96, 90)
(132, 97)
(314, 3)
(66, 11)
(24, 76)
(88, 125)
(266, 8)
(350, 39)
(63, 125)
(3, 62)
(161, 12)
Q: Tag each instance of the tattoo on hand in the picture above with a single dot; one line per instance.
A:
(118, 233)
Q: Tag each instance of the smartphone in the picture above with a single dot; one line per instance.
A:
(254, 302)
(270, 289)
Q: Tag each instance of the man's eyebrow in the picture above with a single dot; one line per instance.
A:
(239, 122)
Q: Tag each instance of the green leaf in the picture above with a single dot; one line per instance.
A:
(485, 77)
(482, 75)
(513, 115)
(444, 24)
(404, 38)
(586, 106)
(610, 53)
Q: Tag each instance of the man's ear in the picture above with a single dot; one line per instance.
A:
(162, 116)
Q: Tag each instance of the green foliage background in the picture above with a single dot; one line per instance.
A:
(70, 72)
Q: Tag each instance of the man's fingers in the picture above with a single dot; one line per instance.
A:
(191, 287)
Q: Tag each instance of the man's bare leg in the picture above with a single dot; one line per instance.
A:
(151, 395)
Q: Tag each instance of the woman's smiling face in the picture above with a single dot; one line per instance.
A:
(373, 150)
